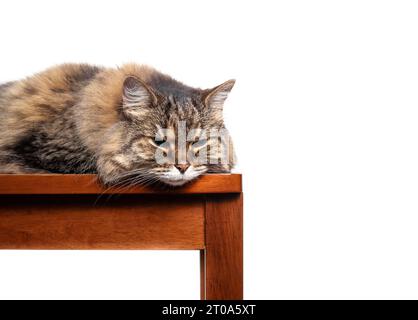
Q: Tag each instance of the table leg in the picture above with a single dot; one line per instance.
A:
(222, 259)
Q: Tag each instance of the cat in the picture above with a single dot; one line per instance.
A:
(80, 118)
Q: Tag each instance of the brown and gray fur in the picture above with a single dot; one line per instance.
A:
(78, 118)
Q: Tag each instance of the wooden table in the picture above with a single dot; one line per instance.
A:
(42, 212)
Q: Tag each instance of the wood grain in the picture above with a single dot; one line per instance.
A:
(76, 212)
(88, 184)
(222, 259)
(76, 222)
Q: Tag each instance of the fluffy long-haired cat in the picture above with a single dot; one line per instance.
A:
(77, 118)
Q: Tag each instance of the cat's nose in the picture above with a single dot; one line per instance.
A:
(182, 167)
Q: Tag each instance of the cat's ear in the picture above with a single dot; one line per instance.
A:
(136, 95)
(216, 97)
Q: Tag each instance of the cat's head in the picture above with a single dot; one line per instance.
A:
(168, 133)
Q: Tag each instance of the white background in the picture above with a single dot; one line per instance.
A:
(324, 116)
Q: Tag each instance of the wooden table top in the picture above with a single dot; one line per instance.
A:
(44, 184)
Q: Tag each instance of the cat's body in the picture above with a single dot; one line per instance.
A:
(86, 119)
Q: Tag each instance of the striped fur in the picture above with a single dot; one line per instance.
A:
(77, 118)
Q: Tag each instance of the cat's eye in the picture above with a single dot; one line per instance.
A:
(159, 142)
(199, 142)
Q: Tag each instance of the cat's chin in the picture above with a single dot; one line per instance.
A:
(174, 183)
(175, 178)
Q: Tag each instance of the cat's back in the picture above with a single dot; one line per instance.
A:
(54, 87)
(41, 97)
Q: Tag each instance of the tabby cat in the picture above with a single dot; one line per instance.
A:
(78, 118)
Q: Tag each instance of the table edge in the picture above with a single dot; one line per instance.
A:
(50, 184)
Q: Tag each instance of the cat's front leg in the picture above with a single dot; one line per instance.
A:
(110, 171)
